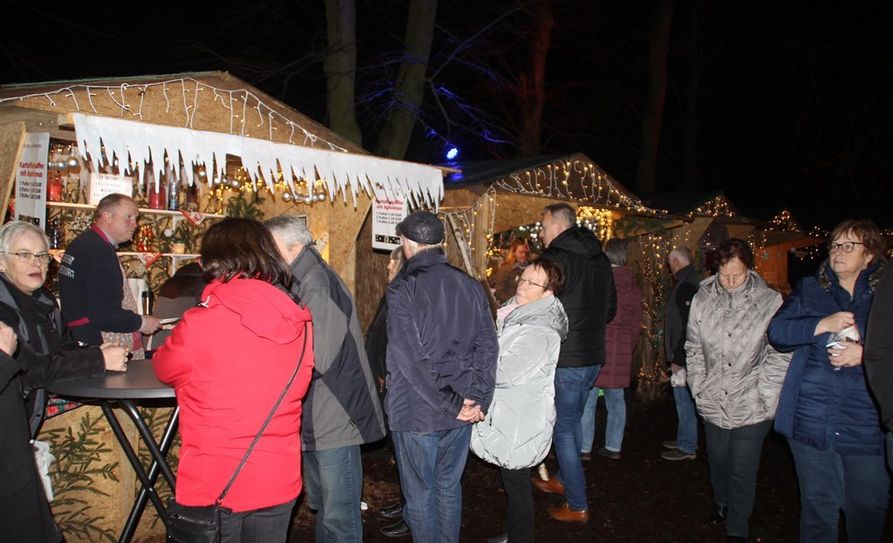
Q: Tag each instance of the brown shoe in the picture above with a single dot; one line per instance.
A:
(552, 486)
(566, 514)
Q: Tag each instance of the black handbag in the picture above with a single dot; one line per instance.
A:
(201, 524)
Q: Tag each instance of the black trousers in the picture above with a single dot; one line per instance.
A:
(519, 498)
(734, 458)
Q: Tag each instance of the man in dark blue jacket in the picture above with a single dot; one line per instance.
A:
(590, 301)
(96, 302)
(441, 361)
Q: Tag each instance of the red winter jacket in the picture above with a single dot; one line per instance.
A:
(623, 332)
(229, 361)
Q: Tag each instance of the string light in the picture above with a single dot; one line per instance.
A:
(576, 179)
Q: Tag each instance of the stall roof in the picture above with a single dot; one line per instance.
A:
(572, 177)
(206, 115)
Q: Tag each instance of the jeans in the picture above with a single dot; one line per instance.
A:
(431, 466)
(734, 458)
(687, 429)
(615, 403)
(268, 525)
(829, 482)
(572, 386)
(890, 451)
(519, 504)
(333, 480)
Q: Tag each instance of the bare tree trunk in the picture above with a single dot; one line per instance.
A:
(533, 94)
(410, 86)
(690, 137)
(341, 68)
(657, 92)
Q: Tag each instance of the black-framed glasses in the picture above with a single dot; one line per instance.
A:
(519, 279)
(846, 246)
(27, 257)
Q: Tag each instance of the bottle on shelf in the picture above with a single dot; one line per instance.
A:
(173, 194)
(55, 233)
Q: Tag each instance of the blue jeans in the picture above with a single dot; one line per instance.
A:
(572, 386)
(333, 480)
(829, 482)
(431, 466)
(687, 429)
(615, 403)
(268, 525)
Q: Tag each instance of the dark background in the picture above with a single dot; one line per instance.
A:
(795, 100)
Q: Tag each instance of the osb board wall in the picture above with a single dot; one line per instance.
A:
(93, 482)
(10, 139)
(340, 222)
(371, 275)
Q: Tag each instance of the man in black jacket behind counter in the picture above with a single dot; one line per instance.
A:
(590, 301)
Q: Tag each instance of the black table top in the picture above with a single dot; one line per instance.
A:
(137, 383)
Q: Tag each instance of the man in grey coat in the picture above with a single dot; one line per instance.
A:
(341, 410)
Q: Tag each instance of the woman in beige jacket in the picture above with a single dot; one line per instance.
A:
(735, 377)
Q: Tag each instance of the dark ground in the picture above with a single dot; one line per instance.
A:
(640, 498)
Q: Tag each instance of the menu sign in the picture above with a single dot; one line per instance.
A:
(103, 184)
(385, 218)
(31, 179)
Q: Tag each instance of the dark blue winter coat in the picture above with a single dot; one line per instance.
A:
(442, 345)
(820, 405)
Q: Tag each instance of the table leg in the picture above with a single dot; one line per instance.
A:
(167, 440)
(135, 464)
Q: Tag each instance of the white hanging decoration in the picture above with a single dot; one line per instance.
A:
(340, 171)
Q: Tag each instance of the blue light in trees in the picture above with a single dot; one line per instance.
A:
(451, 152)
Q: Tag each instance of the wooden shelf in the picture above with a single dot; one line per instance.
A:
(142, 210)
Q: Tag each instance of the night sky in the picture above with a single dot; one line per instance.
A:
(794, 101)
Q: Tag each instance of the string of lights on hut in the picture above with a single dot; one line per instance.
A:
(246, 110)
(555, 180)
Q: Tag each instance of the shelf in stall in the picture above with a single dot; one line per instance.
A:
(143, 210)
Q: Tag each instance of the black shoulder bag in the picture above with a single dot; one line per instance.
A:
(201, 524)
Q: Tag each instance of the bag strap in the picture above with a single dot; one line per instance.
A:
(260, 432)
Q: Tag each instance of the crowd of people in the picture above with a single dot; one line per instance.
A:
(441, 375)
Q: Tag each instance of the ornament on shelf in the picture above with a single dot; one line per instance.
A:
(144, 239)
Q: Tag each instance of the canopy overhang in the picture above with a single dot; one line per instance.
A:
(143, 143)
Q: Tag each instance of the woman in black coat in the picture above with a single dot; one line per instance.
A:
(39, 358)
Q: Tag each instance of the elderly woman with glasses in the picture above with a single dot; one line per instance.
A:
(517, 431)
(825, 409)
(42, 356)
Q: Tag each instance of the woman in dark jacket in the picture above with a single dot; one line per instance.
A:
(31, 311)
(621, 336)
(825, 409)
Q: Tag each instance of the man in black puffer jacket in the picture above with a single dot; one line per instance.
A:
(590, 301)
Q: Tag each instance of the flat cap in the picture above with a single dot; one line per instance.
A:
(422, 227)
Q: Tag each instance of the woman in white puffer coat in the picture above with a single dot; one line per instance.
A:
(735, 377)
(517, 432)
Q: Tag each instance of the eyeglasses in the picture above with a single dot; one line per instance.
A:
(520, 279)
(27, 257)
(846, 246)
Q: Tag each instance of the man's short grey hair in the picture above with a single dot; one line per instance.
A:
(682, 253)
(12, 230)
(291, 229)
(563, 213)
(615, 250)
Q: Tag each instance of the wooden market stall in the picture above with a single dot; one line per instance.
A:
(223, 148)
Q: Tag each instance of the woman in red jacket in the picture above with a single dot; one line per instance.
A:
(229, 360)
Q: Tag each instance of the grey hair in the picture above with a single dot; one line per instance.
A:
(397, 255)
(12, 230)
(681, 253)
(615, 250)
(291, 229)
(109, 202)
